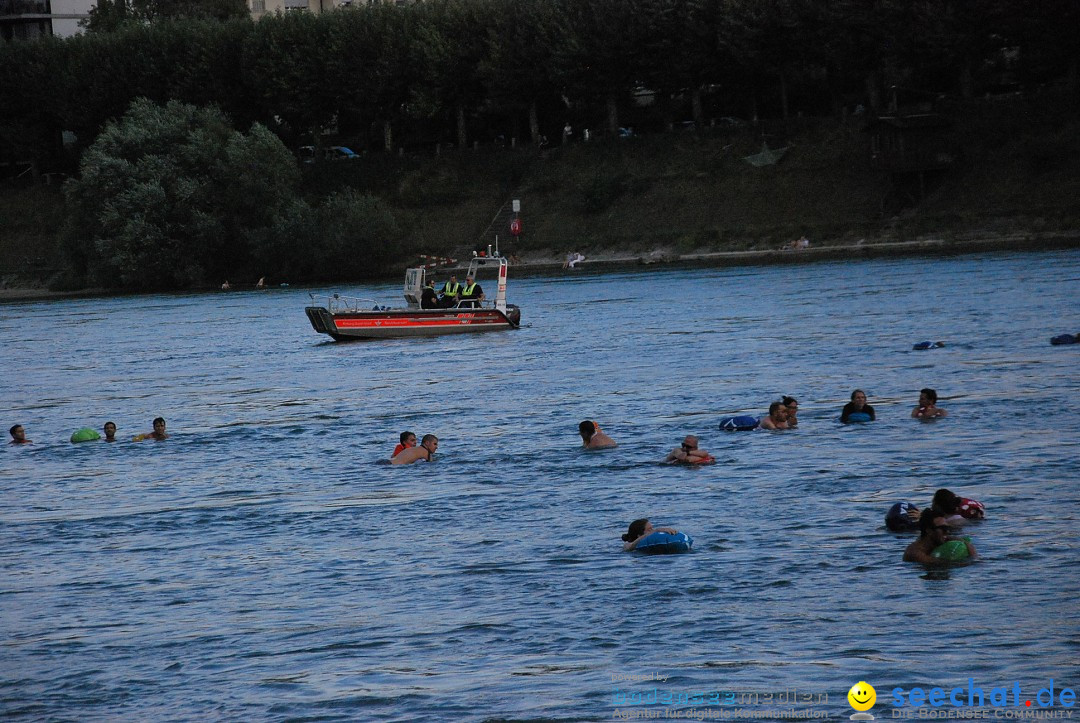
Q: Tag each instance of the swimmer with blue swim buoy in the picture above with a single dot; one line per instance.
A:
(935, 546)
(643, 537)
(857, 410)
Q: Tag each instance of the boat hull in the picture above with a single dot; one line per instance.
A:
(395, 323)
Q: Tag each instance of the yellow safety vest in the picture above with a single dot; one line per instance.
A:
(468, 290)
(449, 290)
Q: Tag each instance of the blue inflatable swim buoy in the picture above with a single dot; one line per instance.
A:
(897, 518)
(1065, 339)
(742, 423)
(859, 417)
(663, 543)
(922, 345)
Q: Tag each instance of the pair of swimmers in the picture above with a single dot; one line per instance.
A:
(688, 452)
(408, 452)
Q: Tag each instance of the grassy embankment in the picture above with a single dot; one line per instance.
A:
(684, 193)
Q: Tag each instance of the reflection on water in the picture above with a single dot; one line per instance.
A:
(260, 564)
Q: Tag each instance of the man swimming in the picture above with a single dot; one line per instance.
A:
(688, 452)
(110, 431)
(158, 434)
(777, 418)
(933, 532)
(18, 435)
(928, 408)
(427, 448)
(593, 437)
(406, 440)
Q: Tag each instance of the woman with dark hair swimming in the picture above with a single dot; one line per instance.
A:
(639, 530)
(857, 405)
(593, 437)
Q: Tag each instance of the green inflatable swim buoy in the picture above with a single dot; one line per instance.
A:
(86, 434)
(951, 551)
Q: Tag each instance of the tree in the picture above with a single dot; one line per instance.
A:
(171, 196)
(111, 15)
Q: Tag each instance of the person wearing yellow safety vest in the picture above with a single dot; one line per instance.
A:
(472, 294)
(450, 293)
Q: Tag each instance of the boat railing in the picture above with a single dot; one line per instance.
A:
(338, 303)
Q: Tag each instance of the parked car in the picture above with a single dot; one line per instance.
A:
(330, 153)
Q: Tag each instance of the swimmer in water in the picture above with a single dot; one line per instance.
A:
(110, 431)
(857, 404)
(955, 509)
(424, 452)
(777, 418)
(18, 435)
(406, 440)
(791, 404)
(158, 434)
(688, 452)
(639, 530)
(933, 532)
(593, 437)
(928, 408)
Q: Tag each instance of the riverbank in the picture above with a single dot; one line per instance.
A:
(541, 263)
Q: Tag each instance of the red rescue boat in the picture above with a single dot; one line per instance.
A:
(347, 317)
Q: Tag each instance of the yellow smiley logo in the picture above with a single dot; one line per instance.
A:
(862, 696)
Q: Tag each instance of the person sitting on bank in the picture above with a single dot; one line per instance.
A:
(689, 452)
(928, 408)
(639, 530)
(857, 404)
(407, 441)
(158, 434)
(933, 532)
(593, 437)
(777, 418)
(451, 290)
(429, 299)
(424, 452)
(471, 294)
(18, 435)
(110, 431)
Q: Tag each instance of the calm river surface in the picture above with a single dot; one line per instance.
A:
(261, 565)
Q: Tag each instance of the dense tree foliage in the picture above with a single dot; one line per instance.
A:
(171, 196)
(458, 70)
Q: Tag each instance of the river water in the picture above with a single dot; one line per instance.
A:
(260, 564)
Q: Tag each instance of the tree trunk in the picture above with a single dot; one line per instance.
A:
(534, 123)
(966, 81)
(387, 137)
(462, 139)
(873, 92)
(612, 116)
(696, 108)
(784, 94)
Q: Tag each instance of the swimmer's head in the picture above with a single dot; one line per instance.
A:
(855, 396)
(927, 396)
(586, 429)
(945, 501)
(637, 529)
(408, 439)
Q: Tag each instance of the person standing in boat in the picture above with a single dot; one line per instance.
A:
(472, 294)
(451, 291)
